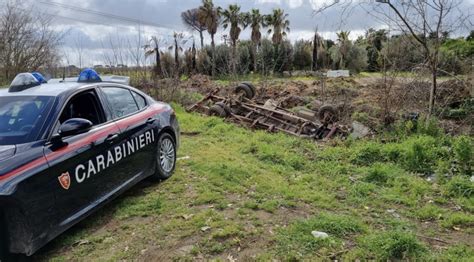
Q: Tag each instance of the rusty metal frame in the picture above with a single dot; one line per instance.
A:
(254, 115)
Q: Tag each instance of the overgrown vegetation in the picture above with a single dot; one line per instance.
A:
(254, 195)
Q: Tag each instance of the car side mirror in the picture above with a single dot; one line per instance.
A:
(74, 126)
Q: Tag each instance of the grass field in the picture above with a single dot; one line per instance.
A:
(249, 195)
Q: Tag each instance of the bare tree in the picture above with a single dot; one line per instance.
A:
(27, 41)
(427, 21)
(79, 49)
(191, 19)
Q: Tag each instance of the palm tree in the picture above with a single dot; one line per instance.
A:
(256, 21)
(233, 17)
(279, 25)
(209, 15)
(344, 45)
(153, 47)
(178, 42)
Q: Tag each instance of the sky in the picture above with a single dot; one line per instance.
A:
(92, 24)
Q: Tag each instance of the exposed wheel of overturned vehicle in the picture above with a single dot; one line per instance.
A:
(246, 90)
(166, 160)
(217, 110)
(252, 87)
(328, 114)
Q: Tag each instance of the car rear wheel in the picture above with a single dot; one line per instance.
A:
(166, 157)
(245, 90)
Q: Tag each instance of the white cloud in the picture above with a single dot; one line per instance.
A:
(260, 2)
(294, 3)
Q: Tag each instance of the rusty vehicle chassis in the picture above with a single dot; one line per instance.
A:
(246, 112)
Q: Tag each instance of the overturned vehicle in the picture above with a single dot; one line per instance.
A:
(240, 107)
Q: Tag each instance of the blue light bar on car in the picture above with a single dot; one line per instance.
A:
(39, 77)
(89, 76)
(23, 81)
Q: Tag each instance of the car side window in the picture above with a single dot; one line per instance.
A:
(120, 100)
(84, 105)
(141, 102)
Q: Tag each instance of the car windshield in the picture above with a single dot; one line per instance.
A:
(21, 118)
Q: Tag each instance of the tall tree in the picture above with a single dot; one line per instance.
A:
(191, 19)
(256, 22)
(344, 46)
(374, 40)
(234, 18)
(209, 16)
(27, 40)
(279, 25)
(316, 45)
(178, 42)
(426, 21)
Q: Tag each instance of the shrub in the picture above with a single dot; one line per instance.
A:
(463, 153)
(379, 174)
(368, 154)
(421, 154)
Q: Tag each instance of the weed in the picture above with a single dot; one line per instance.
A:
(367, 154)
(464, 154)
(296, 241)
(380, 173)
(393, 245)
(459, 186)
(456, 253)
(458, 219)
(429, 212)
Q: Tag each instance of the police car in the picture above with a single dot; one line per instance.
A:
(68, 146)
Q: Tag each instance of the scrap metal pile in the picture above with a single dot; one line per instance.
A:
(240, 108)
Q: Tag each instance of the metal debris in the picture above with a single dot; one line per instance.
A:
(240, 108)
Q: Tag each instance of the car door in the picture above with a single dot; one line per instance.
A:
(82, 159)
(137, 133)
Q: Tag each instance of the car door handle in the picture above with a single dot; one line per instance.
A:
(150, 120)
(112, 137)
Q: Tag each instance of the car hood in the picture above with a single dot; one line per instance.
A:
(7, 151)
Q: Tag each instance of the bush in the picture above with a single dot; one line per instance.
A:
(367, 154)
(380, 173)
(422, 153)
(463, 153)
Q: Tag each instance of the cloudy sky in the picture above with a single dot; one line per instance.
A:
(95, 24)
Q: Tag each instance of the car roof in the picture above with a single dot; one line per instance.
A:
(59, 86)
(48, 89)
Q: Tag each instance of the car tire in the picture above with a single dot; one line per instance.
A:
(246, 90)
(252, 87)
(217, 110)
(327, 114)
(166, 157)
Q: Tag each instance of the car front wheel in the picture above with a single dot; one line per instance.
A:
(166, 157)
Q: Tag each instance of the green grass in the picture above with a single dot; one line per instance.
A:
(257, 196)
